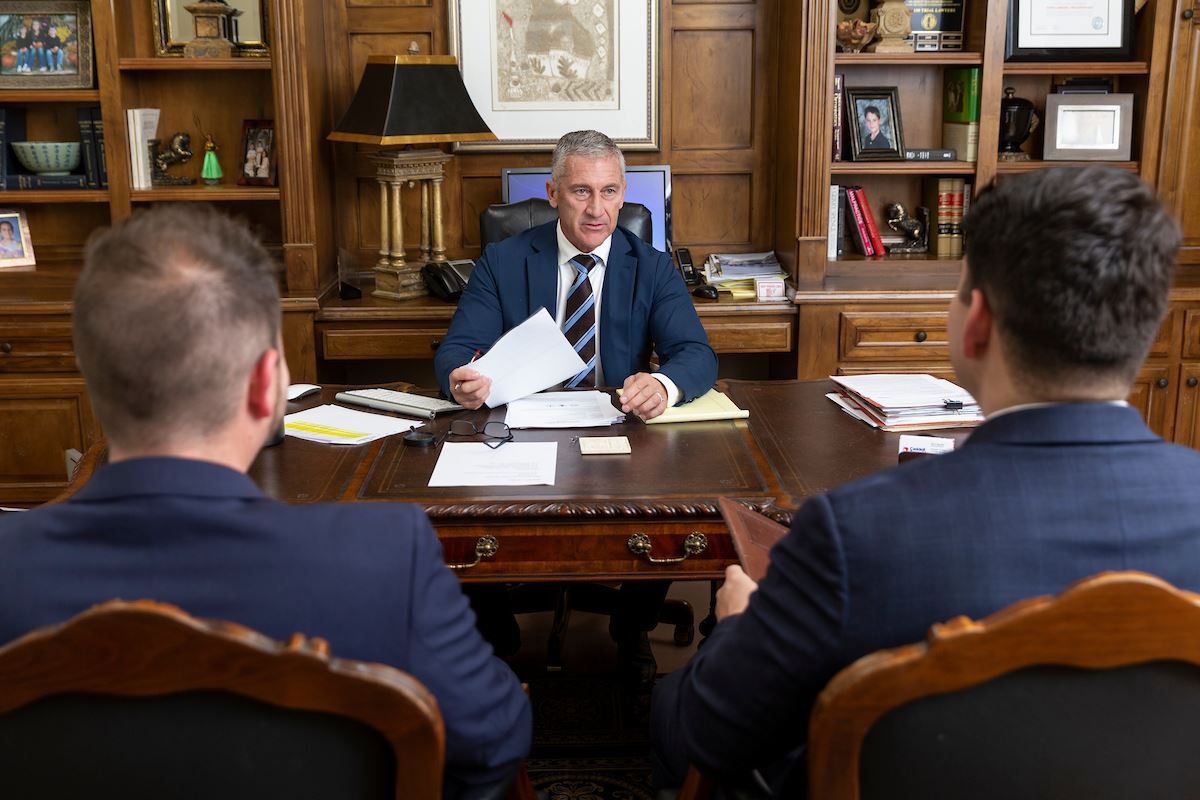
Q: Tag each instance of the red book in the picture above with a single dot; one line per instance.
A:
(858, 230)
(869, 221)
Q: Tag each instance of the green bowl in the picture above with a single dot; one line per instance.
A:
(48, 158)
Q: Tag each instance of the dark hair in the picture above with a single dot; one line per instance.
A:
(872, 109)
(172, 309)
(1076, 265)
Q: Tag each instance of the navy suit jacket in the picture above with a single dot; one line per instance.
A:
(367, 577)
(1033, 501)
(645, 307)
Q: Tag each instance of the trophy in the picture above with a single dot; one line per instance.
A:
(1018, 119)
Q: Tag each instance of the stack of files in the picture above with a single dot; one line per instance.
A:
(332, 424)
(906, 402)
(735, 272)
(563, 410)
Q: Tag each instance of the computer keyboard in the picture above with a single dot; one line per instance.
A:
(412, 405)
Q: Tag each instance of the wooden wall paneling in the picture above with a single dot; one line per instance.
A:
(712, 89)
(817, 83)
(990, 94)
(1156, 29)
(40, 419)
(786, 129)
(112, 105)
(298, 342)
(1180, 152)
(719, 209)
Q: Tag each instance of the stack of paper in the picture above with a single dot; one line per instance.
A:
(142, 125)
(337, 425)
(529, 358)
(563, 410)
(906, 402)
(735, 272)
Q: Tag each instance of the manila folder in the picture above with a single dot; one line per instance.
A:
(753, 536)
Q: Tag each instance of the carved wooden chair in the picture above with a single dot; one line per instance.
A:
(140, 700)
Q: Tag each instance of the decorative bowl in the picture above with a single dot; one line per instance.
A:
(48, 158)
(855, 34)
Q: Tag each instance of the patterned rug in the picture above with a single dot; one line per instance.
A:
(590, 739)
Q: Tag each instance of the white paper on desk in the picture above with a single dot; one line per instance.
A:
(563, 410)
(532, 356)
(511, 464)
(332, 424)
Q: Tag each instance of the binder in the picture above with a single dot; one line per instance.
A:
(753, 536)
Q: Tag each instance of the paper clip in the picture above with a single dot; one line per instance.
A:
(952, 405)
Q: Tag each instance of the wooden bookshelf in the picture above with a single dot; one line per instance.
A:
(201, 193)
(22, 96)
(21, 197)
(1019, 167)
(1079, 68)
(944, 58)
(902, 168)
(194, 64)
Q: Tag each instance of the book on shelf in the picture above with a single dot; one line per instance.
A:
(98, 136)
(833, 238)
(87, 147)
(960, 111)
(857, 226)
(19, 182)
(930, 154)
(12, 129)
(869, 220)
(838, 112)
(3, 142)
(143, 126)
(936, 24)
(944, 198)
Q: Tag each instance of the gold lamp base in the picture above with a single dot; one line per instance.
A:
(395, 277)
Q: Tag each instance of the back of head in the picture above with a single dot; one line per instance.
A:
(588, 144)
(1076, 265)
(173, 308)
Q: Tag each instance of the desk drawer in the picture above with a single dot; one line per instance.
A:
(381, 343)
(894, 336)
(36, 347)
(750, 337)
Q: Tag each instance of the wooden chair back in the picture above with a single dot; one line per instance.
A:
(1093, 693)
(138, 699)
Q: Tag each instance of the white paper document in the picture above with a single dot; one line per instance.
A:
(337, 425)
(512, 464)
(563, 410)
(529, 358)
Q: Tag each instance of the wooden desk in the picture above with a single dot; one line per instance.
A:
(796, 443)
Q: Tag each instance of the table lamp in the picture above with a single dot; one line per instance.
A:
(403, 100)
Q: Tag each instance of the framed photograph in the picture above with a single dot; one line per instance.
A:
(537, 69)
(1088, 127)
(258, 153)
(1081, 30)
(873, 117)
(16, 248)
(173, 27)
(46, 45)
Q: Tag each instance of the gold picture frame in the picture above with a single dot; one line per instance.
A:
(173, 27)
(16, 245)
(60, 62)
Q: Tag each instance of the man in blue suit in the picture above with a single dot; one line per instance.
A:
(177, 330)
(639, 301)
(1065, 285)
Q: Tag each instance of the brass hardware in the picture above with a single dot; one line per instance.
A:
(485, 547)
(693, 545)
(921, 336)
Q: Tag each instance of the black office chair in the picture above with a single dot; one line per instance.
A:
(500, 221)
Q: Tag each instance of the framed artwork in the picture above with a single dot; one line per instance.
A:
(173, 27)
(875, 130)
(1088, 127)
(46, 45)
(537, 69)
(1082, 30)
(16, 247)
(258, 154)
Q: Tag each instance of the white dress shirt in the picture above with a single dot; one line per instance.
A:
(566, 278)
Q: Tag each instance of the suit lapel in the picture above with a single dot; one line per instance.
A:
(541, 270)
(616, 305)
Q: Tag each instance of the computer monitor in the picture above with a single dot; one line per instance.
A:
(650, 186)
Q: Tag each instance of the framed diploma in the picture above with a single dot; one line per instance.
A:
(1069, 30)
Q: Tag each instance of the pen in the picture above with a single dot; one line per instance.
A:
(478, 353)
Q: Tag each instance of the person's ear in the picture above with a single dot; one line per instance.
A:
(263, 395)
(977, 329)
(552, 194)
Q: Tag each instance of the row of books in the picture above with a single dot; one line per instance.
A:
(853, 227)
(961, 88)
(94, 175)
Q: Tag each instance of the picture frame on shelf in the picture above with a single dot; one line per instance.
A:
(1088, 127)
(16, 245)
(258, 153)
(531, 83)
(876, 132)
(173, 27)
(46, 44)
(1040, 30)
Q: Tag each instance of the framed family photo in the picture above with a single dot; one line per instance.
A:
(536, 69)
(46, 45)
(16, 248)
(258, 153)
(873, 117)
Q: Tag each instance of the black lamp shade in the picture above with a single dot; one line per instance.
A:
(410, 99)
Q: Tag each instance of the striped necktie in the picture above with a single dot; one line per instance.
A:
(579, 326)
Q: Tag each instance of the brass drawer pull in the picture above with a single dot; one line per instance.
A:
(485, 547)
(693, 545)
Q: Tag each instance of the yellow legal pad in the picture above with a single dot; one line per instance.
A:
(313, 427)
(713, 405)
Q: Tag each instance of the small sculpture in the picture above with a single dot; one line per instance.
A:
(894, 19)
(915, 229)
(855, 34)
(210, 170)
(177, 152)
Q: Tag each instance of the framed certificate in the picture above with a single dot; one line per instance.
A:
(1069, 30)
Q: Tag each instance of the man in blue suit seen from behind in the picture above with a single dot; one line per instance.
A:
(637, 304)
(177, 331)
(1064, 287)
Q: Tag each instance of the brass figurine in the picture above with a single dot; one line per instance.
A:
(178, 151)
(915, 229)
